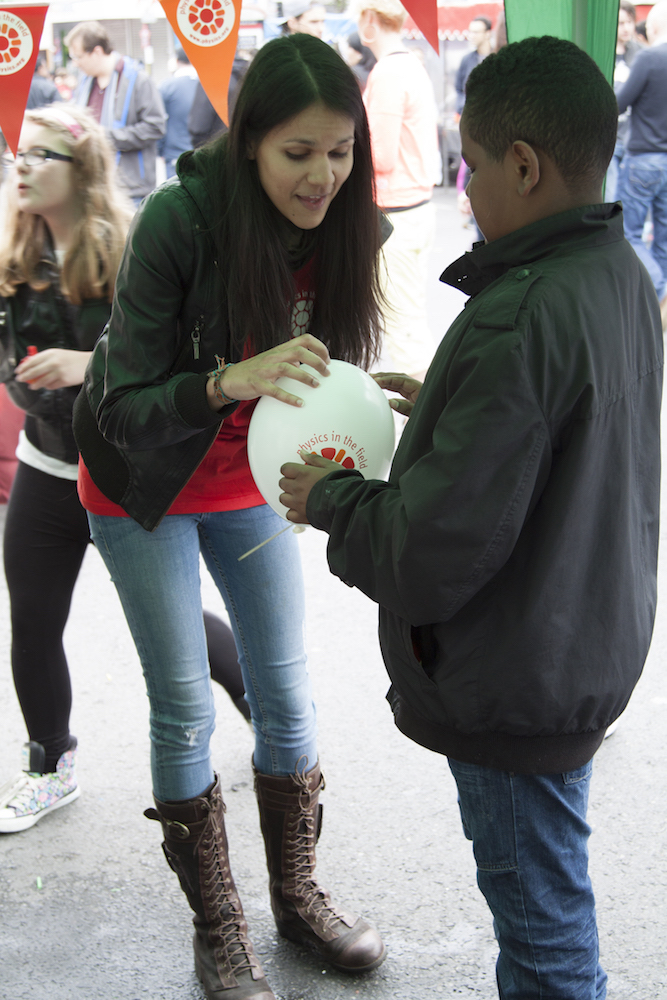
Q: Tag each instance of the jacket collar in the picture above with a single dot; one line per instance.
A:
(588, 226)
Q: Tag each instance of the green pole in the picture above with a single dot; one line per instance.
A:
(590, 24)
(580, 23)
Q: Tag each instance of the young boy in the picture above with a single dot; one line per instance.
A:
(513, 551)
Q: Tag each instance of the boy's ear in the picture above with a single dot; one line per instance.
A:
(526, 166)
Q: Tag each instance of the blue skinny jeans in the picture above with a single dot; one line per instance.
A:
(157, 578)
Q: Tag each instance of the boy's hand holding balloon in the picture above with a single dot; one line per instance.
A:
(298, 481)
(406, 386)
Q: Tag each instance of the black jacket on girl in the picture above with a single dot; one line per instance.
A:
(45, 319)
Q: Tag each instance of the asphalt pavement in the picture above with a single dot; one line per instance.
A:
(90, 911)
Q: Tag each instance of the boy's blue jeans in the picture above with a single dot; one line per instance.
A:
(157, 578)
(530, 841)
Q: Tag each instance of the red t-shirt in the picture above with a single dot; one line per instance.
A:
(223, 481)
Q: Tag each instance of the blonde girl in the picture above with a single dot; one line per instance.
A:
(64, 228)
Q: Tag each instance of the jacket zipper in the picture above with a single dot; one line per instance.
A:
(195, 337)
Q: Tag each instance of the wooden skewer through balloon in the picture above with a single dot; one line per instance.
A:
(296, 528)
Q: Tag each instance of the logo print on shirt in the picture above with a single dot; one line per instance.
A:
(302, 313)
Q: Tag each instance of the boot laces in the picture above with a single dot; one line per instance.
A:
(299, 856)
(223, 898)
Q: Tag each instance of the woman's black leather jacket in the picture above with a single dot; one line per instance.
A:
(143, 423)
(45, 319)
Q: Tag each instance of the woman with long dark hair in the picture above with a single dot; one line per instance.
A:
(267, 234)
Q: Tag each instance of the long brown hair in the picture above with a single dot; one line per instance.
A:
(287, 76)
(92, 260)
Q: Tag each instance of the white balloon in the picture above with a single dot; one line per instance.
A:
(347, 418)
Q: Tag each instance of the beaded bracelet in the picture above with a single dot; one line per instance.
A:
(216, 375)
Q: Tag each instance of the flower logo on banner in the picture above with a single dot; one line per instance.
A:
(15, 43)
(208, 31)
(206, 22)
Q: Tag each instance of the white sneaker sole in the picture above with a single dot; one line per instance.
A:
(18, 823)
(612, 728)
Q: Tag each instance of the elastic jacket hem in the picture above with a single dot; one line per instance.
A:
(520, 754)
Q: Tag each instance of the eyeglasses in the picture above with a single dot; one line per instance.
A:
(35, 157)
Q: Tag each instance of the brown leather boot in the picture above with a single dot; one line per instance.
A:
(291, 820)
(195, 845)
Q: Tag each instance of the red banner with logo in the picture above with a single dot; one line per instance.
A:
(454, 18)
(20, 34)
(208, 30)
(425, 15)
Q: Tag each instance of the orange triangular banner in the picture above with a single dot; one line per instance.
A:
(208, 30)
(20, 34)
(425, 15)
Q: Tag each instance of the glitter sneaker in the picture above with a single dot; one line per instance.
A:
(31, 794)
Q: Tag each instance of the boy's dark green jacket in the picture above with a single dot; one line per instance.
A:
(513, 552)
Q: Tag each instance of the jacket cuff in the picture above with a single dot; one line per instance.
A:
(321, 505)
(192, 404)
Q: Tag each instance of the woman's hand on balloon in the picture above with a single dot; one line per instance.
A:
(257, 376)
(55, 368)
(298, 481)
(406, 386)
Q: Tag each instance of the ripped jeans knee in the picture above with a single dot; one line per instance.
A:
(157, 578)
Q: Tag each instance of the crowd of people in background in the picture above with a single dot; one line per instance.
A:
(642, 170)
(165, 120)
(182, 116)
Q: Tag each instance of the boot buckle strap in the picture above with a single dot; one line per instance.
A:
(180, 830)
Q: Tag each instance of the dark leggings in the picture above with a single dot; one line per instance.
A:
(223, 661)
(46, 534)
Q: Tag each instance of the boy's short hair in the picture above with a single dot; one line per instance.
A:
(549, 93)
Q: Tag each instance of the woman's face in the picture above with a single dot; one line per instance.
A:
(304, 162)
(49, 188)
